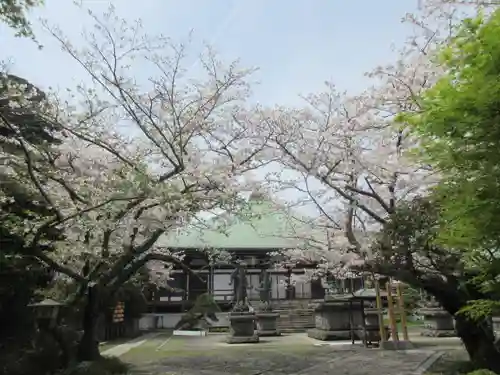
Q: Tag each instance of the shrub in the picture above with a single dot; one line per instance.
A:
(481, 372)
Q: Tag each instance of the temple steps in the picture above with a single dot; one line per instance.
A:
(295, 321)
(295, 315)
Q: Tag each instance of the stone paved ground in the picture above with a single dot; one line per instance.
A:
(276, 358)
(352, 362)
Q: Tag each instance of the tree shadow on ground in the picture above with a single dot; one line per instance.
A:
(454, 362)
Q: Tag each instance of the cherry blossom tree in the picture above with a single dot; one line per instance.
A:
(457, 137)
(351, 161)
(354, 164)
(137, 160)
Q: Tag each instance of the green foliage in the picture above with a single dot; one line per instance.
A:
(26, 116)
(13, 13)
(104, 366)
(481, 372)
(480, 309)
(411, 297)
(410, 234)
(25, 123)
(41, 355)
(21, 275)
(204, 306)
(459, 129)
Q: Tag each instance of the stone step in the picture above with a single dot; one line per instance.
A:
(307, 319)
(295, 315)
(288, 314)
(295, 320)
(292, 303)
(300, 326)
(294, 309)
(293, 330)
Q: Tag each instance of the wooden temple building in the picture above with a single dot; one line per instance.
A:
(255, 241)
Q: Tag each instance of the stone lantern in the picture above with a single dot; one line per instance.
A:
(46, 312)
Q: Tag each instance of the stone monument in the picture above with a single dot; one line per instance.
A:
(333, 318)
(242, 320)
(267, 319)
(437, 321)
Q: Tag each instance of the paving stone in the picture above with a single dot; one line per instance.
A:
(320, 361)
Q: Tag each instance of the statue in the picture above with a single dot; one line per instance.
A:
(264, 289)
(265, 286)
(239, 281)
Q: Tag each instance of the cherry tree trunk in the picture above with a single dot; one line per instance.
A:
(477, 336)
(479, 341)
(88, 349)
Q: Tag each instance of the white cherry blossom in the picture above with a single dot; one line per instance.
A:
(351, 161)
(137, 160)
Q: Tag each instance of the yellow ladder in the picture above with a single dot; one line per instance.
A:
(394, 298)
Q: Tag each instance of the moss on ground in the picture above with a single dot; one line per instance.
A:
(182, 347)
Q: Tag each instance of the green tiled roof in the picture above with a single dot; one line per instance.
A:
(265, 227)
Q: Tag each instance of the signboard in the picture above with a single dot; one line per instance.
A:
(119, 313)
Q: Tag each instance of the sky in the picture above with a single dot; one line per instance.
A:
(296, 44)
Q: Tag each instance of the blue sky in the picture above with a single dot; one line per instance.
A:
(297, 44)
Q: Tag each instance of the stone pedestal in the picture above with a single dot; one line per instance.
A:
(332, 320)
(242, 328)
(437, 322)
(267, 323)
